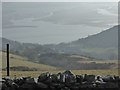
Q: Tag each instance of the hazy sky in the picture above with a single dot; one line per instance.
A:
(55, 22)
(59, 0)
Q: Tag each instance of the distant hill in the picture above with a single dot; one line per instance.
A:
(25, 49)
(23, 64)
(103, 45)
(104, 39)
(100, 47)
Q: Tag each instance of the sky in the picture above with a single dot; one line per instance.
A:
(60, 0)
(56, 22)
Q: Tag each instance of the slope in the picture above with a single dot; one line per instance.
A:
(103, 45)
(18, 61)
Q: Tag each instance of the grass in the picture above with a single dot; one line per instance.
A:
(77, 72)
(16, 60)
(100, 50)
(100, 61)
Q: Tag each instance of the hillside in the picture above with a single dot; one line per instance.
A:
(55, 62)
(104, 39)
(17, 62)
(103, 45)
(87, 53)
(29, 50)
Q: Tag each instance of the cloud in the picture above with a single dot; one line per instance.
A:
(106, 12)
